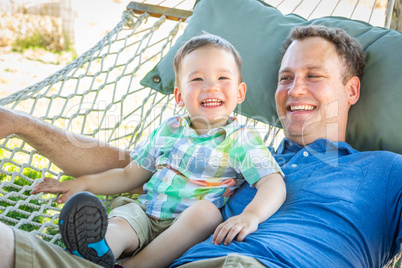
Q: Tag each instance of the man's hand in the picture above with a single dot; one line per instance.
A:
(66, 188)
(241, 225)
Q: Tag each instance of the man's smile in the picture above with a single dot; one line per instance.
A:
(300, 108)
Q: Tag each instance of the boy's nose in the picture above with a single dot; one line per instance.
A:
(211, 86)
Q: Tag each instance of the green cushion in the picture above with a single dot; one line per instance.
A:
(257, 30)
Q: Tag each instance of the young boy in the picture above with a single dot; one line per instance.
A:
(189, 167)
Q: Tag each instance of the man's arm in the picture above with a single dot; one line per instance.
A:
(76, 155)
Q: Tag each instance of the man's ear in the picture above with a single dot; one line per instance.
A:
(353, 88)
(242, 89)
(178, 97)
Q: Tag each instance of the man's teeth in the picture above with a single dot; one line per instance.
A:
(211, 102)
(302, 108)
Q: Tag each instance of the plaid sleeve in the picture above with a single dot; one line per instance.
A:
(153, 150)
(251, 157)
(145, 152)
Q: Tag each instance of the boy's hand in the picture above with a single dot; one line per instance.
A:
(66, 188)
(241, 225)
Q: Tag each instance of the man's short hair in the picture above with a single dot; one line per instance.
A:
(347, 47)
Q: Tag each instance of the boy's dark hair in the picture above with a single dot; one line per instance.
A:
(204, 40)
(347, 47)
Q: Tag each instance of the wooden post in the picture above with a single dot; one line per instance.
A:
(394, 19)
(158, 11)
(67, 20)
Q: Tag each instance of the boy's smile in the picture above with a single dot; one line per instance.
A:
(211, 102)
(209, 87)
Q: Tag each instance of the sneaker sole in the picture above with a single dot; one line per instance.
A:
(83, 223)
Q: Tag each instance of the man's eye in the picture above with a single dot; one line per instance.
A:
(314, 76)
(284, 78)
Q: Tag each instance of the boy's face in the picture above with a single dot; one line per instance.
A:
(209, 87)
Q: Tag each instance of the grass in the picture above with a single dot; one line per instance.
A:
(13, 193)
(38, 41)
(25, 31)
(35, 40)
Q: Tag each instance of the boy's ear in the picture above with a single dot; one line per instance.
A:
(353, 87)
(178, 97)
(241, 96)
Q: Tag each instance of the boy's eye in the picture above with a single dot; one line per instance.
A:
(197, 79)
(223, 78)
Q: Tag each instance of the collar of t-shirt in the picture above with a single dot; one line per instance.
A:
(185, 121)
(321, 148)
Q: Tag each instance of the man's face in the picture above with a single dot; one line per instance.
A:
(311, 99)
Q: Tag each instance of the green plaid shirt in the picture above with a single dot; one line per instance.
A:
(189, 167)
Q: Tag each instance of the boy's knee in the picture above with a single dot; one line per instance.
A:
(121, 236)
(118, 221)
(207, 211)
(120, 226)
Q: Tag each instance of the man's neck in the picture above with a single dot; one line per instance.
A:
(305, 142)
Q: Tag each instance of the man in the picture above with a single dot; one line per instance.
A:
(342, 207)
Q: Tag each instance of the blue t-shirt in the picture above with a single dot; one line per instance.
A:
(343, 209)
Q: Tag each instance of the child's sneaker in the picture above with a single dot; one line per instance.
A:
(83, 223)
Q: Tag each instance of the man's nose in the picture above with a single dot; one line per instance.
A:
(298, 87)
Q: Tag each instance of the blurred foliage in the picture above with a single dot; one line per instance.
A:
(24, 31)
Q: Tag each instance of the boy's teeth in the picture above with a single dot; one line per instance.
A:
(211, 102)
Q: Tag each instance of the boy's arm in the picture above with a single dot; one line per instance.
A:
(114, 181)
(271, 193)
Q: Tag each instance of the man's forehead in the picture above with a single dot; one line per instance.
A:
(306, 67)
(310, 45)
(309, 53)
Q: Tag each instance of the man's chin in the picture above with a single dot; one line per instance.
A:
(301, 137)
(294, 130)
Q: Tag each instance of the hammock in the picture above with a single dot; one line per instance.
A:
(99, 95)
